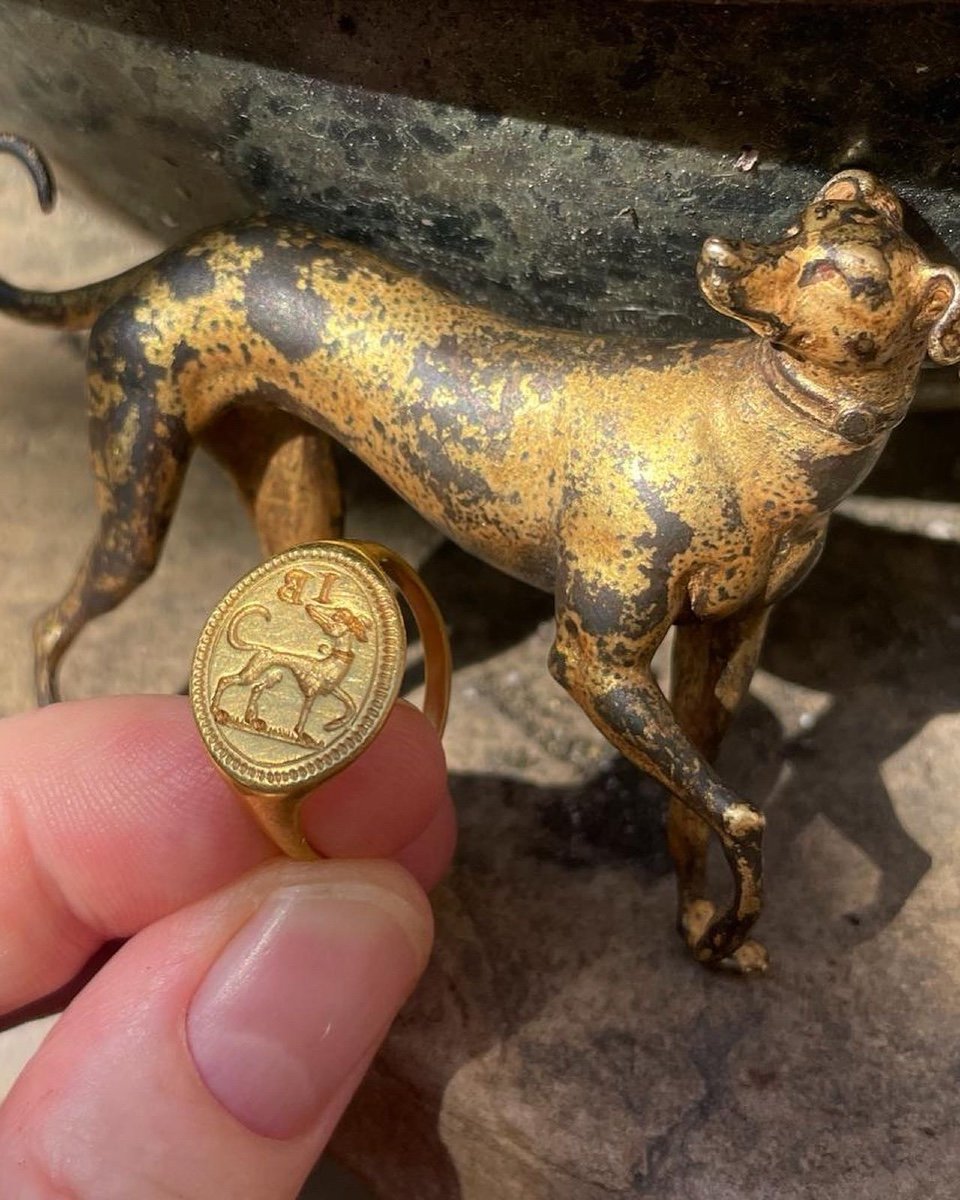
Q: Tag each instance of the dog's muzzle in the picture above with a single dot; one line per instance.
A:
(718, 252)
(719, 268)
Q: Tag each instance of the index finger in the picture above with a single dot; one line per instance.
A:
(112, 816)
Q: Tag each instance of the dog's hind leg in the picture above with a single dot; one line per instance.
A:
(713, 663)
(285, 471)
(140, 449)
(269, 679)
(223, 684)
(246, 676)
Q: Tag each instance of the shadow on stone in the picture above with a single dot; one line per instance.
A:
(486, 611)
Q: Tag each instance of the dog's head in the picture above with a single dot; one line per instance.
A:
(845, 287)
(338, 621)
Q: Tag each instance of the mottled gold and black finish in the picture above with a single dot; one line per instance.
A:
(36, 164)
(645, 484)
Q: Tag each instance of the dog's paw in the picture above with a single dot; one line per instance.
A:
(751, 959)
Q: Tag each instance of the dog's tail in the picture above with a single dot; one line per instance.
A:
(76, 308)
(234, 636)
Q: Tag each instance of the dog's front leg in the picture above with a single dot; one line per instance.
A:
(609, 675)
(713, 663)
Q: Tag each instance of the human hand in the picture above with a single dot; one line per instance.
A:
(214, 1053)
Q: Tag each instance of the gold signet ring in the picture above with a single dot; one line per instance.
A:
(298, 667)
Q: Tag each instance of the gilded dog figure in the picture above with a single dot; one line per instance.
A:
(644, 484)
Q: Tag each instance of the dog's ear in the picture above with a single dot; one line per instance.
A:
(861, 185)
(941, 305)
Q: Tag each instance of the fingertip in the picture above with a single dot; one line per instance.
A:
(214, 1054)
(428, 857)
(304, 989)
(385, 798)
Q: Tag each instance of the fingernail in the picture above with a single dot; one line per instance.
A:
(297, 998)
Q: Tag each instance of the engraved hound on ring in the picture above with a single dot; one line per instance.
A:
(645, 484)
(316, 675)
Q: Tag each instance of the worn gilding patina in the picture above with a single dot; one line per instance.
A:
(645, 484)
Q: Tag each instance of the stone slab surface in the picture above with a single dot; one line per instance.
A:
(562, 1046)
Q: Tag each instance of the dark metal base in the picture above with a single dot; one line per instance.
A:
(495, 142)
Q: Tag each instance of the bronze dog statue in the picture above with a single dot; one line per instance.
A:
(646, 485)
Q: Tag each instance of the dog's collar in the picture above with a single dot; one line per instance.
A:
(849, 421)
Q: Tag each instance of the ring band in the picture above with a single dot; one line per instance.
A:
(298, 667)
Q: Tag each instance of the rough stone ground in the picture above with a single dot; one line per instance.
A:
(562, 1045)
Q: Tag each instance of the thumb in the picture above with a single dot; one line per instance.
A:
(214, 1054)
